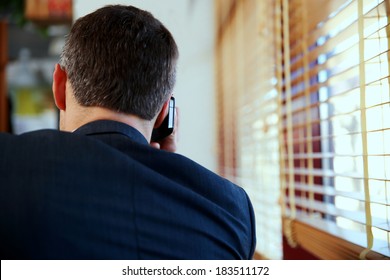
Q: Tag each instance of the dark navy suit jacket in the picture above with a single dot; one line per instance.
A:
(103, 193)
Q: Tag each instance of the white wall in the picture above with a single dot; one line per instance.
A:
(192, 24)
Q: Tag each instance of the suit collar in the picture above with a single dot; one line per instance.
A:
(111, 127)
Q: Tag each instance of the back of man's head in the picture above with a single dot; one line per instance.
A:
(121, 58)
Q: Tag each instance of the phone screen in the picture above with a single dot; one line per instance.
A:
(166, 128)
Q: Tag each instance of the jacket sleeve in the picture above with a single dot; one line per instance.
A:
(253, 228)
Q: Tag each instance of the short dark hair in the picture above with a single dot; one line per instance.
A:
(121, 58)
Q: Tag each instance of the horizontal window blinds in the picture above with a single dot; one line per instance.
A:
(334, 111)
(248, 111)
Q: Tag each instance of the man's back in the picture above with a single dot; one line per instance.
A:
(111, 196)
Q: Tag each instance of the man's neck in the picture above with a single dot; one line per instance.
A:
(70, 121)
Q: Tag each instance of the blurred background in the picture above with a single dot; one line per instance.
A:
(288, 98)
(32, 38)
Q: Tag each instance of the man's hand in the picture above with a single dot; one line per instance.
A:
(169, 143)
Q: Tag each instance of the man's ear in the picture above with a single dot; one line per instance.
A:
(59, 87)
(163, 113)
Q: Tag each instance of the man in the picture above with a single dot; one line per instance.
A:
(98, 189)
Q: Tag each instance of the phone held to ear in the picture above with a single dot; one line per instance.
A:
(166, 128)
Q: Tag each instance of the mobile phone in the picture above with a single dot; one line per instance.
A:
(166, 128)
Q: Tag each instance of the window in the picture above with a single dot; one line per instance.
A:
(335, 118)
(308, 99)
(248, 137)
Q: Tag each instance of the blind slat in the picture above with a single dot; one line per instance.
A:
(331, 227)
(329, 173)
(356, 216)
(331, 191)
